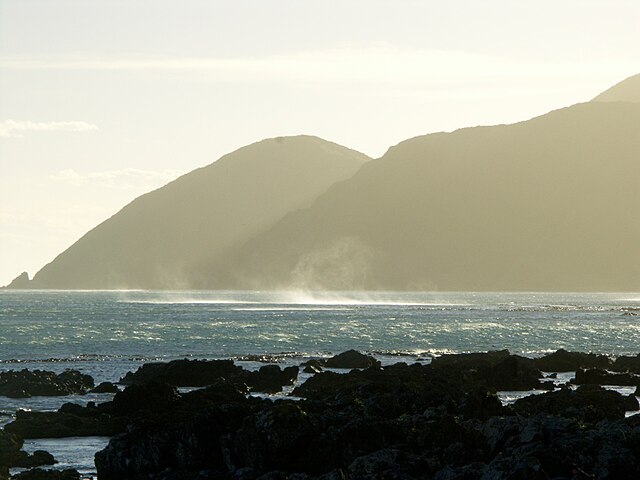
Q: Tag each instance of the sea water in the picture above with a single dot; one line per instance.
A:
(108, 333)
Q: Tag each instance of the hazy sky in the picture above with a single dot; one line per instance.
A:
(101, 101)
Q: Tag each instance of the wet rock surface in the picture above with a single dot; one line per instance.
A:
(440, 421)
(564, 361)
(627, 364)
(40, 474)
(200, 373)
(351, 359)
(11, 454)
(105, 387)
(31, 383)
(597, 376)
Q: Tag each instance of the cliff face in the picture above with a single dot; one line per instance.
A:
(157, 240)
(546, 204)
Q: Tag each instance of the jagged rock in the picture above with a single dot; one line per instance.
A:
(498, 370)
(398, 422)
(147, 396)
(106, 387)
(627, 364)
(564, 361)
(39, 474)
(11, 454)
(183, 373)
(511, 373)
(385, 463)
(27, 383)
(596, 376)
(200, 373)
(276, 439)
(21, 282)
(589, 403)
(193, 441)
(59, 424)
(271, 378)
(314, 363)
(312, 369)
(351, 359)
(471, 361)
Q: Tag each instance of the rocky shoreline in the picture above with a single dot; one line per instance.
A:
(440, 421)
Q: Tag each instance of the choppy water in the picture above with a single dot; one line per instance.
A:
(106, 334)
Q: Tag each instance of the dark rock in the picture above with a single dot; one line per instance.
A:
(11, 454)
(481, 404)
(314, 363)
(471, 361)
(548, 386)
(4, 473)
(312, 369)
(184, 373)
(271, 379)
(196, 442)
(511, 373)
(276, 439)
(351, 359)
(58, 425)
(220, 392)
(385, 463)
(497, 370)
(106, 387)
(148, 396)
(627, 364)
(398, 422)
(596, 376)
(631, 403)
(9, 443)
(589, 403)
(26, 383)
(39, 474)
(200, 373)
(472, 471)
(564, 361)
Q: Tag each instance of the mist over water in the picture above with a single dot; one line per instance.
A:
(108, 333)
(112, 328)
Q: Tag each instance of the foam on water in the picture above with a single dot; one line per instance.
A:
(106, 333)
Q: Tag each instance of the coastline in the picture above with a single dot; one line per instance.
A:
(473, 394)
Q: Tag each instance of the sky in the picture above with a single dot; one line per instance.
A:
(101, 101)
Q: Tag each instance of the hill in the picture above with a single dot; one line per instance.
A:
(158, 239)
(627, 90)
(546, 204)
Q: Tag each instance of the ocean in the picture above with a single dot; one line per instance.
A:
(108, 333)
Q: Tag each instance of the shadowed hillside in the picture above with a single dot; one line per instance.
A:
(547, 204)
(157, 240)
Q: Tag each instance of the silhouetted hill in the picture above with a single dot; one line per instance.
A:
(627, 90)
(158, 239)
(546, 204)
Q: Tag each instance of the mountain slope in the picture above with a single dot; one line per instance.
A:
(158, 239)
(627, 90)
(546, 204)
